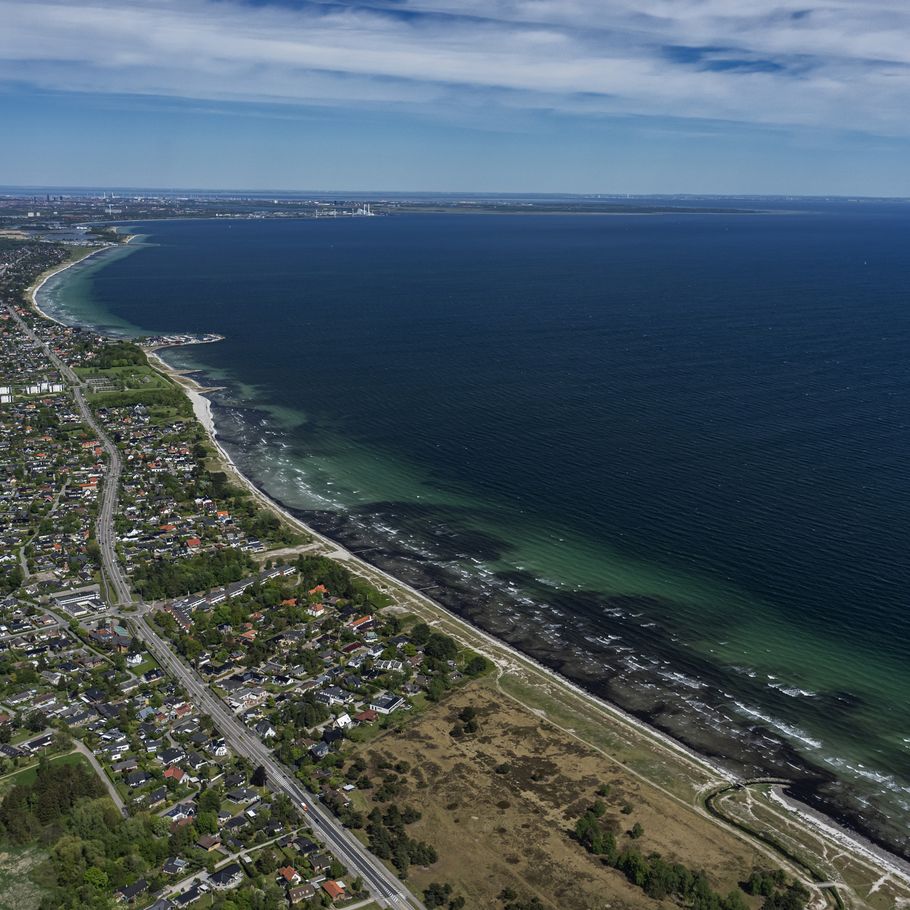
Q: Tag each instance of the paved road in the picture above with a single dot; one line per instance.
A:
(384, 885)
(104, 531)
(111, 789)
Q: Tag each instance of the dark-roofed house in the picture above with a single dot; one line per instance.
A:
(188, 897)
(174, 865)
(137, 779)
(129, 893)
(228, 877)
(386, 704)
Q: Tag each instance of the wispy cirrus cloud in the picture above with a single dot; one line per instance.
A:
(844, 64)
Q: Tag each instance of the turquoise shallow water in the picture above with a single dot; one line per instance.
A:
(665, 455)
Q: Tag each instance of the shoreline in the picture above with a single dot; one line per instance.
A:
(202, 409)
(32, 291)
(819, 823)
(499, 652)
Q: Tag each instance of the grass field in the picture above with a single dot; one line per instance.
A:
(498, 806)
(137, 376)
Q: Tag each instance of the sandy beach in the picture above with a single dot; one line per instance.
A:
(33, 291)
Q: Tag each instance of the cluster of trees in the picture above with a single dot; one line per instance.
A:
(93, 849)
(304, 713)
(468, 718)
(119, 354)
(159, 578)
(320, 570)
(657, 877)
(440, 649)
(779, 893)
(440, 895)
(476, 665)
(511, 900)
(389, 840)
(29, 809)
(10, 578)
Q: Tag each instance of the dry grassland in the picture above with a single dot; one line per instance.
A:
(495, 827)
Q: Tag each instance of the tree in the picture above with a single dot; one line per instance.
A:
(36, 721)
(734, 901)
(440, 647)
(436, 894)
(402, 858)
(259, 777)
(420, 633)
(96, 877)
(437, 688)
(476, 665)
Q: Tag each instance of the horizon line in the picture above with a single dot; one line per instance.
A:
(15, 189)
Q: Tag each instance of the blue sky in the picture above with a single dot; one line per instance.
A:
(587, 96)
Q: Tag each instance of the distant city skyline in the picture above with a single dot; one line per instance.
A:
(512, 96)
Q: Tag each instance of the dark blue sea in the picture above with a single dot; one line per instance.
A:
(666, 455)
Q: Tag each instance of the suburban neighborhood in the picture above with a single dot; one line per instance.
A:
(307, 657)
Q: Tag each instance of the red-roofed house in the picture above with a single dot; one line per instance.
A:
(335, 890)
(290, 875)
(361, 622)
(367, 716)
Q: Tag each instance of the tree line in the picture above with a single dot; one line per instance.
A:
(158, 579)
(661, 879)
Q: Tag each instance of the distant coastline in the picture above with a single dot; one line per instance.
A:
(33, 291)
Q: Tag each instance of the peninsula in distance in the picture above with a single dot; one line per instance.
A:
(528, 532)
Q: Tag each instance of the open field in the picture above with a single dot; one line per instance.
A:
(498, 806)
(17, 892)
(134, 379)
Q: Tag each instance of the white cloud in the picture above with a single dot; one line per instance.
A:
(846, 64)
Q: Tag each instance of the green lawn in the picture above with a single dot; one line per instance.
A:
(146, 665)
(135, 376)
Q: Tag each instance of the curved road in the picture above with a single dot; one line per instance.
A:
(111, 789)
(384, 885)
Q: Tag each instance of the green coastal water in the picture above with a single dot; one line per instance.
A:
(666, 456)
